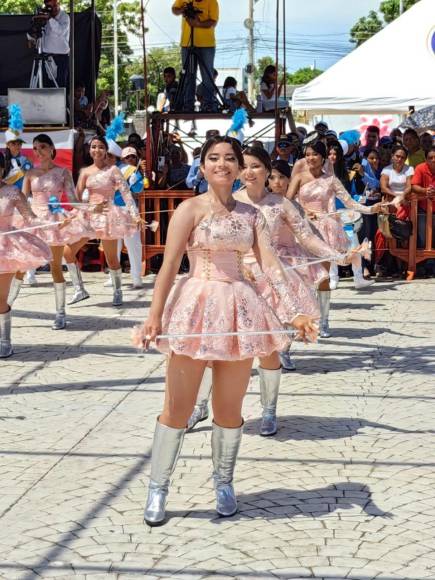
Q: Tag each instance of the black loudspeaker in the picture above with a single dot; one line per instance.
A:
(40, 106)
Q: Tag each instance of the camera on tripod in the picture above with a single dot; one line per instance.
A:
(39, 20)
(190, 12)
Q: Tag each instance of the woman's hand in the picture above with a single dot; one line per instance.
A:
(380, 207)
(152, 327)
(307, 328)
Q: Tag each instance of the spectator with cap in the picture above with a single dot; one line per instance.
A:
(416, 154)
(384, 149)
(321, 127)
(287, 149)
(130, 168)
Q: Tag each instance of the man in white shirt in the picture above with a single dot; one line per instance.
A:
(55, 39)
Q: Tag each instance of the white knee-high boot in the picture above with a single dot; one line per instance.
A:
(324, 297)
(270, 380)
(225, 444)
(134, 249)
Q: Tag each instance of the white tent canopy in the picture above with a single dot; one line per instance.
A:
(393, 70)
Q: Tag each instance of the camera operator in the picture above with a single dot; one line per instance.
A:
(200, 18)
(55, 25)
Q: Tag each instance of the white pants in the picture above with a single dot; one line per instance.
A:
(134, 249)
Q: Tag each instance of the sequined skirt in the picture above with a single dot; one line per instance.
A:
(203, 306)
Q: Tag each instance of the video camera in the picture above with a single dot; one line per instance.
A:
(190, 12)
(39, 20)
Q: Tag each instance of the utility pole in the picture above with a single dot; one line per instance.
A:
(400, 7)
(115, 55)
(250, 26)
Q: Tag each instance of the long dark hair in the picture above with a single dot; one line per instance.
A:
(235, 145)
(261, 154)
(271, 68)
(101, 140)
(46, 140)
(340, 170)
(7, 157)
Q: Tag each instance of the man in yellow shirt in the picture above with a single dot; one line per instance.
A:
(198, 36)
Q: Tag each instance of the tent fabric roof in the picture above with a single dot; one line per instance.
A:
(393, 70)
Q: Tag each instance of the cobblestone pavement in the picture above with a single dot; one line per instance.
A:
(345, 489)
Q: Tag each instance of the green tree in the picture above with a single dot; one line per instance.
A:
(391, 8)
(366, 27)
(303, 76)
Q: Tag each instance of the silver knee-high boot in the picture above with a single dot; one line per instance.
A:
(80, 292)
(200, 411)
(324, 297)
(60, 296)
(116, 277)
(5, 335)
(225, 445)
(166, 449)
(269, 390)
(14, 290)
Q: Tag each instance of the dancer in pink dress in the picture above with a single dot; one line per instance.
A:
(108, 222)
(217, 297)
(18, 251)
(316, 192)
(48, 183)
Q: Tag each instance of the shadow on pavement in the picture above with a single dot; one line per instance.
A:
(279, 503)
(312, 428)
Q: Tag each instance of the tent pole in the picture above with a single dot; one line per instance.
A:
(284, 46)
(71, 64)
(277, 127)
(93, 55)
(148, 152)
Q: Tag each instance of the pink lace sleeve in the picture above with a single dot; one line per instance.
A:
(345, 198)
(272, 268)
(68, 186)
(305, 235)
(122, 186)
(23, 207)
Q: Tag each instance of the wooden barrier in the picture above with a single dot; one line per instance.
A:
(413, 255)
(151, 203)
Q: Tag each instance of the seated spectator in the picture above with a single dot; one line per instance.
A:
(102, 116)
(416, 154)
(82, 107)
(174, 172)
(234, 99)
(423, 183)
(171, 88)
(269, 90)
(427, 141)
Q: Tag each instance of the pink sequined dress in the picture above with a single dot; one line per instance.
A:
(24, 250)
(319, 196)
(303, 297)
(115, 222)
(218, 296)
(57, 182)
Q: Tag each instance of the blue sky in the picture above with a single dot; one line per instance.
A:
(317, 30)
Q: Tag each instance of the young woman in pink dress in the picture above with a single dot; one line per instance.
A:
(316, 192)
(107, 221)
(215, 297)
(18, 251)
(48, 183)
